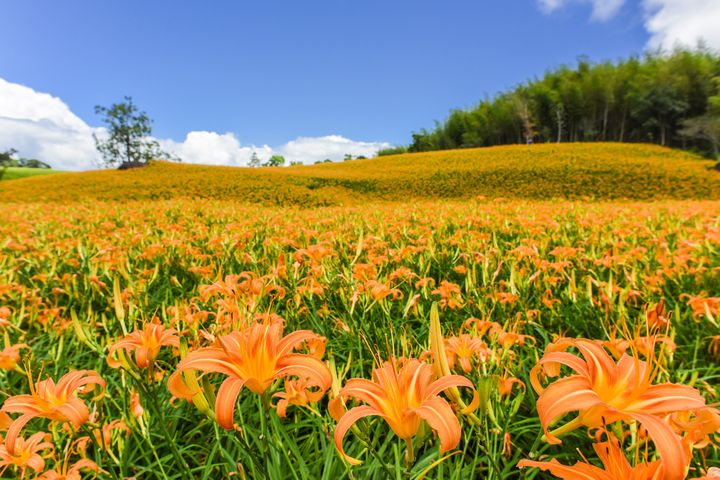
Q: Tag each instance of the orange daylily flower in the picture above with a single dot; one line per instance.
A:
(10, 356)
(404, 393)
(604, 391)
(615, 466)
(103, 436)
(24, 453)
(146, 343)
(253, 357)
(136, 408)
(702, 305)
(58, 402)
(450, 295)
(5, 422)
(657, 318)
(64, 471)
(297, 393)
(505, 385)
(463, 348)
(697, 427)
(4, 316)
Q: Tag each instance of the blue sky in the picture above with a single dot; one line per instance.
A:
(269, 72)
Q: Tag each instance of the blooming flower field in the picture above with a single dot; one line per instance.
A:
(484, 339)
(582, 171)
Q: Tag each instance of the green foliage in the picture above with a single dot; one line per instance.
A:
(275, 161)
(636, 100)
(549, 269)
(392, 151)
(32, 163)
(6, 160)
(129, 136)
(13, 173)
(255, 161)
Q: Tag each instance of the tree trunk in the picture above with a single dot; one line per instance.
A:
(605, 120)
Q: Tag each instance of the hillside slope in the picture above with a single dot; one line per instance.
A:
(14, 173)
(574, 171)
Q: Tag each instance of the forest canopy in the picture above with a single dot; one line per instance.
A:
(669, 99)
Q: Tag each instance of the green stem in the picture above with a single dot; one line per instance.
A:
(152, 401)
(567, 428)
(410, 453)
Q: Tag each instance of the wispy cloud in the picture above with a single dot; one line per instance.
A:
(602, 10)
(669, 23)
(682, 22)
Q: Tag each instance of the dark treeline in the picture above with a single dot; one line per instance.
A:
(669, 99)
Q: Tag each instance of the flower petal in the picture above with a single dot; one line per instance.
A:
(225, 403)
(441, 418)
(346, 422)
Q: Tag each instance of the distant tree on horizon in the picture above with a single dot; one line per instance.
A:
(254, 161)
(6, 160)
(275, 161)
(129, 138)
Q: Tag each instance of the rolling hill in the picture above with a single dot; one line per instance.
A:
(14, 173)
(599, 171)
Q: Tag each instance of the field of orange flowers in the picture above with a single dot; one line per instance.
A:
(499, 340)
(575, 171)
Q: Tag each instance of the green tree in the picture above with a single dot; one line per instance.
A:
(639, 99)
(32, 163)
(707, 127)
(275, 161)
(254, 161)
(7, 160)
(129, 136)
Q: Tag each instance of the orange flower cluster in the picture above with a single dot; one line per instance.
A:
(302, 330)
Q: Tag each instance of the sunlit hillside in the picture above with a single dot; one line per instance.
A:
(14, 173)
(574, 171)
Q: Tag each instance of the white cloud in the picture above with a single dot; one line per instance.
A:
(212, 148)
(41, 126)
(334, 147)
(682, 22)
(602, 10)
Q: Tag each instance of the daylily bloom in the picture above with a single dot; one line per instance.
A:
(253, 357)
(450, 295)
(4, 316)
(615, 466)
(657, 318)
(5, 422)
(146, 343)
(505, 385)
(697, 427)
(24, 453)
(464, 348)
(58, 402)
(64, 471)
(296, 393)
(604, 392)
(404, 393)
(10, 356)
(136, 408)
